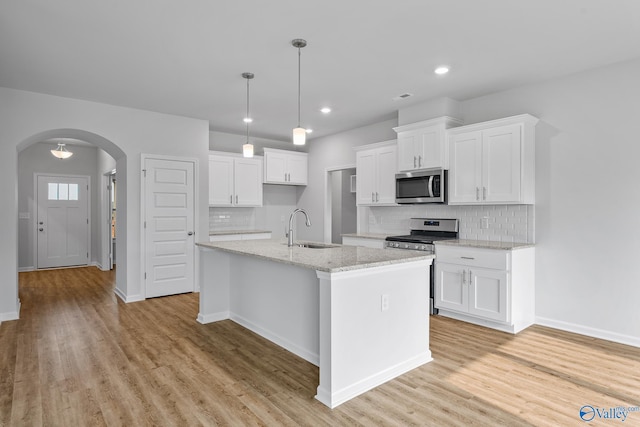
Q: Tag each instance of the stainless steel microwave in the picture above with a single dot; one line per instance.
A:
(423, 186)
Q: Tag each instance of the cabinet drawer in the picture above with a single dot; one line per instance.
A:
(473, 257)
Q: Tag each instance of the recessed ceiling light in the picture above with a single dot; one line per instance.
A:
(247, 120)
(443, 69)
(309, 130)
(325, 110)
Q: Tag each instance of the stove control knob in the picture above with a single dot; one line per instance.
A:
(396, 245)
(406, 246)
(423, 248)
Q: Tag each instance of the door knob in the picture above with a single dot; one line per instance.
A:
(41, 223)
(40, 229)
(190, 233)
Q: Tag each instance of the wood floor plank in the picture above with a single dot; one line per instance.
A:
(79, 356)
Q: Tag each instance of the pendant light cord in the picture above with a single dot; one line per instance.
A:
(247, 111)
(299, 87)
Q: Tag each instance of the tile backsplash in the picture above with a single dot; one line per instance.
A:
(504, 223)
(225, 219)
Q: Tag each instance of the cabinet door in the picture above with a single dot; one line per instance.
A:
(451, 287)
(386, 175)
(488, 294)
(297, 169)
(366, 177)
(275, 168)
(248, 182)
(465, 172)
(501, 149)
(407, 149)
(431, 148)
(220, 181)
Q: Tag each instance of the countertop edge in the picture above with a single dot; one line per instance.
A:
(213, 245)
(484, 244)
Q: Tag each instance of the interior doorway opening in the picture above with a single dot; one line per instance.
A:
(93, 155)
(340, 203)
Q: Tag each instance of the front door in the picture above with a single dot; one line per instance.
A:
(63, 221)
(169, 225)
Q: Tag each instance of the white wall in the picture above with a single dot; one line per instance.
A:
(331, 152)
(587, 196)
(25, 117)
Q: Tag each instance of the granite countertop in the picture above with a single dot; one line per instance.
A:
(484, 244)
(332, 259)
(366, 235)
(231, 232)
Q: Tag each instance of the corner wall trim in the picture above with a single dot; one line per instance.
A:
(127, 299)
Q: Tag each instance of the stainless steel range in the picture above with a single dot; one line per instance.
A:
(425, 231)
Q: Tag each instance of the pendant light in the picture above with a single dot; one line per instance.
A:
(247, 148)
(61, 152)
(299, 133)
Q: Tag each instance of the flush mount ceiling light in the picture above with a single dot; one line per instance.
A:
(299, 133)
(61, 152)
(325, 110)
(247, 148)
(441, 70)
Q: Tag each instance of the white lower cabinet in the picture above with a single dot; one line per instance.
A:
(489, 287)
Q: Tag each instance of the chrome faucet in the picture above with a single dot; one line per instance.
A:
(290, 232)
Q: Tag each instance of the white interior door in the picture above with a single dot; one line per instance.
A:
(63, 221)
(169, 232)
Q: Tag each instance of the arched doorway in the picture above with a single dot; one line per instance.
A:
(113, 152)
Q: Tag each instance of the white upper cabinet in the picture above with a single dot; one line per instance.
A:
(423, 145)
(376, 174)
(493, 162)
(234, 180)
(285, 167)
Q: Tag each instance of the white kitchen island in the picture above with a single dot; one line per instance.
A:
(360, 314)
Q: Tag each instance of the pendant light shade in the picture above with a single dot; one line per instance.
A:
(299, 136)
(247, 148)
(299, 133)
(61, 152)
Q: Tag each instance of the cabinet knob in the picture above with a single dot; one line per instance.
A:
(190, 233)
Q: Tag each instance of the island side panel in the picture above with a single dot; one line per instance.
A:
(362, 343)
(277, 301)
(215, 280)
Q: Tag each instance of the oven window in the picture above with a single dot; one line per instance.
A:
(412, 187)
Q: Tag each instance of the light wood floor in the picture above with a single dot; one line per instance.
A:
(80, 357)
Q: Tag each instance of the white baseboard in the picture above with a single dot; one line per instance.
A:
(306, 354)
(334, 399)
(127, 299)
(26, 269)
(588, 331)
(213, 317)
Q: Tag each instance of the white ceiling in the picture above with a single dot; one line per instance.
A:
(186, 57)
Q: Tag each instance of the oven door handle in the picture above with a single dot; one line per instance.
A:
(430, 186)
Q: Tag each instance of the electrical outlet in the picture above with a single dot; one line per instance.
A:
(484, 222)
(384, 302)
